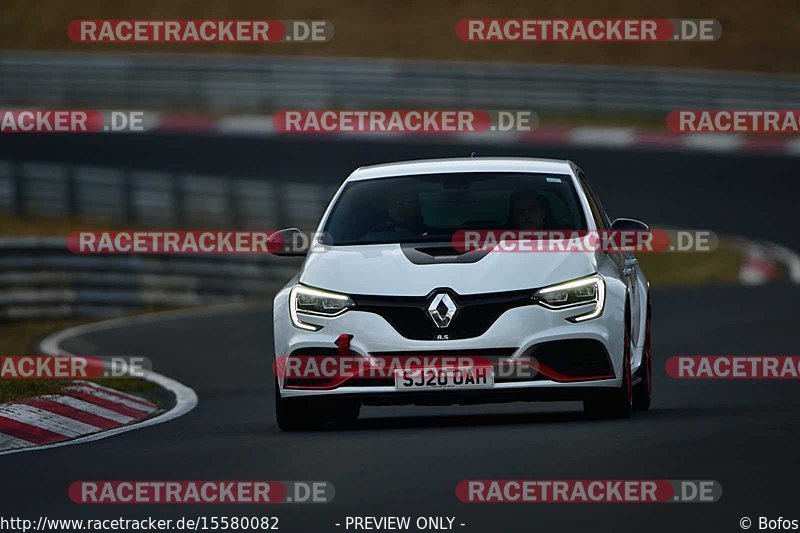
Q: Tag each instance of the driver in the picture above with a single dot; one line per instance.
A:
(527, 210)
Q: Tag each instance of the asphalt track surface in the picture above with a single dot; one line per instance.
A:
(408, 460)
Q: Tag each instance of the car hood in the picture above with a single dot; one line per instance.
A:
(384, 269)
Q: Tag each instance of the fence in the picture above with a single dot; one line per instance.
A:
(231, 84)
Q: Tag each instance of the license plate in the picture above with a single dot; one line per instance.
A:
(477, 377)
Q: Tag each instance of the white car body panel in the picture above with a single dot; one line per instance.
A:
(342, 270)
(382, 269)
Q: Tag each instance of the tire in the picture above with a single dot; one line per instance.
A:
(295, 414)
(616, 403)
(643, 391)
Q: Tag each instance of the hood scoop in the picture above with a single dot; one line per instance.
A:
(436, 254)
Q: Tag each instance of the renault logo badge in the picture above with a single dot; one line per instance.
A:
(442, 310)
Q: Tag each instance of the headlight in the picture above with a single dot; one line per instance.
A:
(579, 292)
(315, 302)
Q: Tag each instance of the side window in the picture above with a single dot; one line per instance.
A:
(599, 214)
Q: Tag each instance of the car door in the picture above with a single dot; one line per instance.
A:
(624, 261)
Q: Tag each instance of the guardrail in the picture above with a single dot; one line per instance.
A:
(231, 84)
(159, 199)
(41, 278)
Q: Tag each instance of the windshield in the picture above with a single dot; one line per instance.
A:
(432, 207)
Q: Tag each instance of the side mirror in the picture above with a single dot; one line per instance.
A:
(629, 224)
(289, 242)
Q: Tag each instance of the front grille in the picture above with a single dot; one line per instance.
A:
(475, 314)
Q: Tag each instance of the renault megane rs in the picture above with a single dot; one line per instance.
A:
(388, 286)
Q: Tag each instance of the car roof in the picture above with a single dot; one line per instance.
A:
(461, 164)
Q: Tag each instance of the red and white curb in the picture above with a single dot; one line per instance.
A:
(127, 414)
(766, 261)
(586, 136)
(83, 408)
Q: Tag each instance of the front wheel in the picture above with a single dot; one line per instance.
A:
(295, 414)
(616, 403)
(643, 391)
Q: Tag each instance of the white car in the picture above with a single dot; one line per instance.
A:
(386, 287)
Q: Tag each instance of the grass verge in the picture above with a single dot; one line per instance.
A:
(693, 268)
(20, 338)
(16, 226)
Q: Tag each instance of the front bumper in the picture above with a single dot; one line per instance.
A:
(519, 330)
